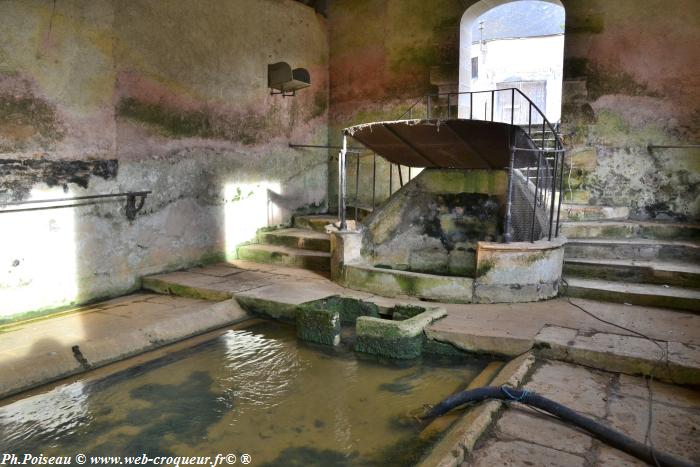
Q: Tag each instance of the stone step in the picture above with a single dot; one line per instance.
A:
(635, 294)
(640, 249)
(631, 229)
(624, 270)
(317, 222)
(395, 283)
(585, 212)
(286, 256)
(303, 239)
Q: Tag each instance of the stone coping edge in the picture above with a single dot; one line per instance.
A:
(459, 440)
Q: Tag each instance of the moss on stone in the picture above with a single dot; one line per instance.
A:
(318, 325)
(173, 122)
(402, 312)
(433, 347)
(260, 306)
(484, 267)
(403, 348)
(29, 118)
(349, 309)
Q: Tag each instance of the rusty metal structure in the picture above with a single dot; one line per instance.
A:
(431, 134)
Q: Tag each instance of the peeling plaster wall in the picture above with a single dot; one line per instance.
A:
(103, 96)
(630, 79)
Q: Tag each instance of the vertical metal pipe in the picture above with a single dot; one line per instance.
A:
(391, 178)
(507, 235)
(471, 106)
(493, 98)
(535, 200)
(561, 188)
(512, 105)
(409, 173)
(543, 131)
(374, 179)
(398, 166)
(529, 119)
(357, 184)
(341, 188)
(554, 188)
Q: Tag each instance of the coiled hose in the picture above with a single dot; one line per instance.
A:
(603, 433)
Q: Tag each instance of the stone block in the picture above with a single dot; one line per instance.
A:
(433, 261)
(461, 263)
(318, 325)
(349, 309)
(392, 283)
(395, 339)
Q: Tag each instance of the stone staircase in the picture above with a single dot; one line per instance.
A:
(611, 258)
(305, 245)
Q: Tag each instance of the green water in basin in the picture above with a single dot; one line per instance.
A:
(257, 391)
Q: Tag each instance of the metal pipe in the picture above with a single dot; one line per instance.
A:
(512, 105)
(561, 191)
(507, 236)
(391, 178)
(554, 188)
(341, 188)
(357, 184)
(76, 198)
(398, 166)
(493, 98)
(534, 201)
(529, 120)
(374, 178)
(322, 146)
(471, 106)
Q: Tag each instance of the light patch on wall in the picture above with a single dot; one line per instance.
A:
(37, 257)
(247, 208)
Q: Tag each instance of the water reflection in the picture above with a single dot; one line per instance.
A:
(258, 391)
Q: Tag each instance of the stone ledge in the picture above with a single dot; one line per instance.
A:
(395, 339)
(621, 353)
(460, 439)
(395, 283)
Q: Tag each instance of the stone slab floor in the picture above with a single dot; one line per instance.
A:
(41, 350)
(522, 436)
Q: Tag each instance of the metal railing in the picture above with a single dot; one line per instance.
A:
(536, 167)
(134, 203)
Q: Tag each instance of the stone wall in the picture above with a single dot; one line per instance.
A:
(433, 224)
(630, 79)
(103, 96)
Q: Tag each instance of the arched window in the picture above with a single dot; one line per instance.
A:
(512, 44)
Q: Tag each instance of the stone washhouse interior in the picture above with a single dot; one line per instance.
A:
(349, 233)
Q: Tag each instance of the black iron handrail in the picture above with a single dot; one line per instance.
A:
(131, 209)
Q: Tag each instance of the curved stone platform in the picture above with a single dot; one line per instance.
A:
(505, 273)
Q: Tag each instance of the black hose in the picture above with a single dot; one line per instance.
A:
(603, 433)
